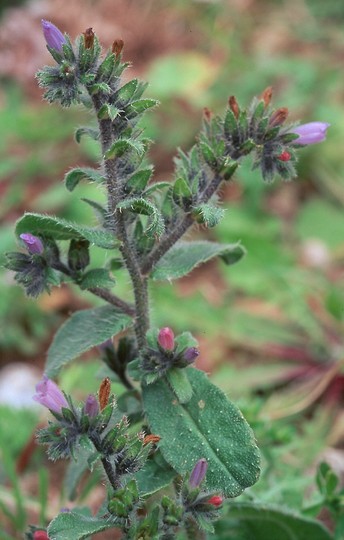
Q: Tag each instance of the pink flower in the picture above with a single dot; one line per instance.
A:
(53, 36)
(40, 535)
(49, 395)
(166, 339)
(311, 133)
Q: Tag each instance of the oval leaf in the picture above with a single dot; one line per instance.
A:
(75, 526)
(73, 177)
(185, 256)
(208, 426)
(268, 521)
(82, 331)
(60, 229)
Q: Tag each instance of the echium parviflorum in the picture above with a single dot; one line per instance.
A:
(172, 447)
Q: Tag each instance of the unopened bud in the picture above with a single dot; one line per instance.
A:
(117, 46)
(190, 354)
(89, 38)
(40, 535)
(216, 500)
(284, 156)
(234, 106)
(207, 114)
(166, 339)
(78, 254)
(91, 406)
(267, 95)
(104, 392)
(198, 473)
(53, 36)
(154, 439)
(278, 117)
(32, 243)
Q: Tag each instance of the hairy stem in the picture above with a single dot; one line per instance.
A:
(109, 471)
(114, 188)
(168, 240)
(105, 294)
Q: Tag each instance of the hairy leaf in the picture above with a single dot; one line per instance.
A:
(262, 521)
(75, 525)
(82, 331)
(185, 256)
(60, 229)
(73, 177)
(97, 277)
(208, 426)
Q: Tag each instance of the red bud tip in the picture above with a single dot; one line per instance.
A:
(285, 156)
(234, 106)
(154, 439)
(40, 535)
(207, 114)
(166, 339)
(278, 117)
(267, 96)
(117, 46)
(216, 500)
(89, 38)
(104, 392)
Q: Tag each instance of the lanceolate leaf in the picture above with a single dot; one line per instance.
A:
(60, 229)
(208, 426)
(73, 177)
(82, 331)
(75, 526)
(262, 521)
(185, 256)
(138, 205)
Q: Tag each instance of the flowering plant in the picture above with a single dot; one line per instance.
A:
(172, 433)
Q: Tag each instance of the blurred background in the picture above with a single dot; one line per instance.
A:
(271, 327)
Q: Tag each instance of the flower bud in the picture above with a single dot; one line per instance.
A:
(284, 156)
(88, 38)
(53, 36)
(117, 46)
(278, 117)
(190, 354)
(49, 395)
(234, 106)
(104, 392)
(216, 500)
(166, 339)
(91, 407)
(311, 133)
(40, 535)
(267, 96)
(198, 473)
(78, 254)
(32, 243)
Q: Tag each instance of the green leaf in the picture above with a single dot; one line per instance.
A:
(121, 146)
(138, 205)
(126, 92)
(139, 106)
(139, 180)
(154, 477)
(185, 256)
(82, 331)
(108, 111)
(74, 525)
(208, 214)
(60, 229)
(230, 125)
(73, 177)
(97, 277)
(208, 426)
(262, 521)
(208, 154)
(91, 132)
(181, 193)
(180, 384)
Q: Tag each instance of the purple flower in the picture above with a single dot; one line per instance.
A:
(166, 338)
(32, 243)
(190, 354)
(198, 473)
(311, 133)
(91, 406)
(49, 395)
(53, 36)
